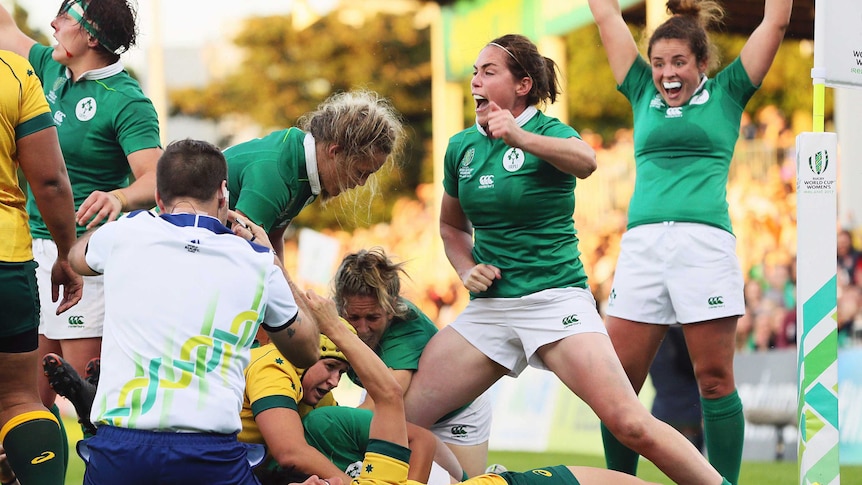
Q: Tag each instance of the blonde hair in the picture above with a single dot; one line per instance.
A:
(370, 273)
(362, 123)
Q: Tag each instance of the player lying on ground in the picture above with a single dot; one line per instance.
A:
(387, 455)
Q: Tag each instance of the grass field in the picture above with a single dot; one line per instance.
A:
(753, 473)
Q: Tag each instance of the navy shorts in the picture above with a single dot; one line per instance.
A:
(138, 457)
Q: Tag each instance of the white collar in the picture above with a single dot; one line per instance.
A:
(700, 86)
(100, 73)
(521, 120)
(311, 163)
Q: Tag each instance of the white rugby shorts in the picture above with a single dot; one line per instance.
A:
(674, 272)
(83, 320)
(510, 330)
(472, 426)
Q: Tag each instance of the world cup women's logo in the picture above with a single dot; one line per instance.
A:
(819, 162)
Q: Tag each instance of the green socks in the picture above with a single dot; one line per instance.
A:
(724, 429)
(56, 412)
(617, 456)
(35, 448)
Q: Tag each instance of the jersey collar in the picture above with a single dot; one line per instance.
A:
(311, 163)
(185, 219)
(521, 120)
(100, 73)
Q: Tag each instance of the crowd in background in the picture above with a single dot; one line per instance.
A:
(761, 193)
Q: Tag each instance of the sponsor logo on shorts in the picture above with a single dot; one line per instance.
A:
(76, 321)
(570, 320)
(715, 301)
(45, 456)
(354, 469)
(544, 473)
(486, 182)
(459, 431)
(612, 297)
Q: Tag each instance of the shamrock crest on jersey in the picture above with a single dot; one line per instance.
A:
(85, 110)
(513, 159)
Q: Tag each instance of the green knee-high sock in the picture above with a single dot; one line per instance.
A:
(56, 412)
(34, 448)
(724, 430)
(617, 455)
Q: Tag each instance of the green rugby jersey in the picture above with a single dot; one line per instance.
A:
(268, 177)
(101, 119)
(521, 208)
(683, 154)
(403, 342)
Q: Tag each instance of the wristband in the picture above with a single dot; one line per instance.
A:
(121, 197)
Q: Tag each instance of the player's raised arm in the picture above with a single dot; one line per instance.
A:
(389, 422)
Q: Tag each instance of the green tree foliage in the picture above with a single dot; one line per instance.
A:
(287, 72)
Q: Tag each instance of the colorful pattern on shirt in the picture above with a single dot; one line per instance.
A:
(177, 356)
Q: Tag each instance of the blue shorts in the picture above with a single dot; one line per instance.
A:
(138, 457)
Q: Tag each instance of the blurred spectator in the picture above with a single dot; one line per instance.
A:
(677, 400)
(848, 257)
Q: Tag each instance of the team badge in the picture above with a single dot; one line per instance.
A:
(513, 159)
(468, 157)
(464, 170)
(86, 109)
(699, 98)
(58, 83)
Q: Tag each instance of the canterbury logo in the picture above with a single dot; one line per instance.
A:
(459, 430)
(715, 300)
(45, 456)
(571, 320)
(76, 320)
(486, 180)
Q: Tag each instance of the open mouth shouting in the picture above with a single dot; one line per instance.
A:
(481, 103)
(672, 89)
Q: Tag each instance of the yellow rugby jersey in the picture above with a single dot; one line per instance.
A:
(23, 111)
(385, 463)
(271, 381)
